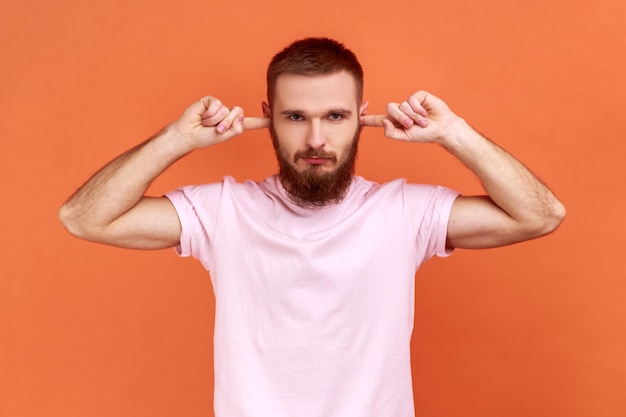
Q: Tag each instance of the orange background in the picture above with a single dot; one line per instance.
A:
(537, 329)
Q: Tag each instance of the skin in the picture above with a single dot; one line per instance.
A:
(318, 112)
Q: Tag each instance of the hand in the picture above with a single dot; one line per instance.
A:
(421, 118)
(208, 122)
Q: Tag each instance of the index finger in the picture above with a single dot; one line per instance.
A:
(374, 120)
(250, 123)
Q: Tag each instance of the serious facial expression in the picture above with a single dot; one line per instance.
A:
(315, 129)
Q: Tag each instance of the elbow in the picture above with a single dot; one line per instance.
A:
(65, 216)
(70, 221)
(550, 219)
(556, 216)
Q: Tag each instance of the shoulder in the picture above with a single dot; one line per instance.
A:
(228, 185)
(399, 186)
(401, 193)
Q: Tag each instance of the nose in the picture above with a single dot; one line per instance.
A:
(315, 138)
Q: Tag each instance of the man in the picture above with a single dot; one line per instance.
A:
(313, 268)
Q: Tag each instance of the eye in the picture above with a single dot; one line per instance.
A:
(335, 116)
(295, 117)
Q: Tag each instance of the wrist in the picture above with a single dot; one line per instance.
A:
(456, 134)
(178, 143)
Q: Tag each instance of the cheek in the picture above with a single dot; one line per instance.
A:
(345, 135)
(285, 130)
(290, 137)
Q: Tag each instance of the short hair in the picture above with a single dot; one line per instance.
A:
(314, 56)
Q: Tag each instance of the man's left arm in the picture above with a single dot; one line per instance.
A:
(518, 206)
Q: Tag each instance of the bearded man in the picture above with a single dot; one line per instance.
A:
(313, 268)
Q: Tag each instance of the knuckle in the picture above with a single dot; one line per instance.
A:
(222, 112)
(215, 106)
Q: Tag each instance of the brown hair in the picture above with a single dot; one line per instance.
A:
(314, 56)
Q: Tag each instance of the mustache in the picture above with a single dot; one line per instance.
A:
(315, 153)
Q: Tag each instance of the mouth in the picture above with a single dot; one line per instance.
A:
(314, 160)
(315, 157)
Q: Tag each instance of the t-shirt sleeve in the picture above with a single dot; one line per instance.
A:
(430, 208)
(197, 209)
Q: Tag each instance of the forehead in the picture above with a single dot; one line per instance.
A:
(315, 92)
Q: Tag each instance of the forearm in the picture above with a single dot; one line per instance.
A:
(121, 184)
(509, 184)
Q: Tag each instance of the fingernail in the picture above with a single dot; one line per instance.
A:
(407, 122)
(422, 123)
(221, 129)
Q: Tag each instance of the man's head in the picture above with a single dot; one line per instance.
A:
(314, 56)
(314, 89)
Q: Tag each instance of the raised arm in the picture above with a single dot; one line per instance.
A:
(111, 207)
(518, 206)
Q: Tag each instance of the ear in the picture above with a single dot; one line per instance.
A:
(363, 108)
(267, 112)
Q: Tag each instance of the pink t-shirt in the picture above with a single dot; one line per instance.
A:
(314, 306)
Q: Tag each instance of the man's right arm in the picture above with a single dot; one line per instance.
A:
(111, 207)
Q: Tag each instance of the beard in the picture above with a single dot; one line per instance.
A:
(313, 187)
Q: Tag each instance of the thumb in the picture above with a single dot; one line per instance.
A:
(390, 128)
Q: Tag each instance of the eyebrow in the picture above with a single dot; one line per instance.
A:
(344, 112)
